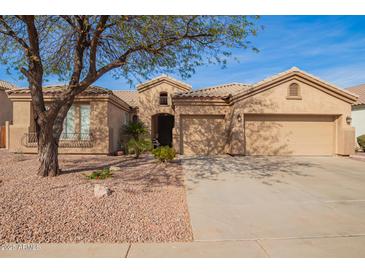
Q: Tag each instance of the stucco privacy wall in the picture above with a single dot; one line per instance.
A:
(358, 119)
(6, 109)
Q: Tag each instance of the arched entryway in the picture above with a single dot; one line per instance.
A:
(162, 125)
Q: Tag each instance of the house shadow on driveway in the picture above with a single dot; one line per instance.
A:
(259, 168)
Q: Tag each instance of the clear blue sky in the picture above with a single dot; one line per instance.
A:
(331, 47)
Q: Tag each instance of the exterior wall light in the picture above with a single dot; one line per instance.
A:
(239, 118)
(348, 120)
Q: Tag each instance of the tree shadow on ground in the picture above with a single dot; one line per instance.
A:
(94, 163)
(135, 175)
(259, 168)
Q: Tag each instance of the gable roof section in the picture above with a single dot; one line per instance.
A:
(128, 96)
(220, 91)
(293, 73)
(58, 89)
(163, 79)
(6, 85)
(360, 91)
(55, 90)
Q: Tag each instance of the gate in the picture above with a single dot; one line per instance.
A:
(2, 136)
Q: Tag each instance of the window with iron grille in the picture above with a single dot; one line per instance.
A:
(163, 99)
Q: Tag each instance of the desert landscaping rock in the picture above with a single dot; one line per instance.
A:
(115, 168)
(148, 203)
(101, 191)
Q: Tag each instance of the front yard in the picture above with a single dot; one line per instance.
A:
(147, 204)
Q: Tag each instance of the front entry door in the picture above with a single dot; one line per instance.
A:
(165, 125)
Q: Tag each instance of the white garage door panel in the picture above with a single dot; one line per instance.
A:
(289, 135)
(203, 135)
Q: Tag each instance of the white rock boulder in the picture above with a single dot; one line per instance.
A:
(101, 191)
(115, 168)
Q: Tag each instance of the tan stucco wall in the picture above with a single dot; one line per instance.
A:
(274, 101)
(105, 123)
(6, 108)
(313, 101)
(149, 102)
(116, 119)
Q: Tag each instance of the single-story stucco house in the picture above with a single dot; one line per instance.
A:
(291, 113)
(358, 110)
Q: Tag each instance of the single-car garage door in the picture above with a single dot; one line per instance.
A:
(289, 134)
(202, 134)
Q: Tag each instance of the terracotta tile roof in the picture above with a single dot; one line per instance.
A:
(220, 91)
(360, 91)
(128, 96)
(160, 78)
(295, 69)
(57, 89)
(6, 85)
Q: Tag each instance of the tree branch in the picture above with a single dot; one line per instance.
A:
(10, 32)
(94, 43)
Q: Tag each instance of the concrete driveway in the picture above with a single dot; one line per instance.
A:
(287, 206)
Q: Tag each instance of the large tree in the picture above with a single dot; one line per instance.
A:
(81, 49)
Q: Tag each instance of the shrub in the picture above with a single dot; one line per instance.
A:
(164, 153)
(361, 141)
(100, 174)
(136, 129)
(140, 146)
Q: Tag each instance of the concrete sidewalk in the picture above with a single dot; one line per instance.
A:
(318, 247)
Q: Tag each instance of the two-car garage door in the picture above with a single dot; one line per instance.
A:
(289, 134)
(272, 134)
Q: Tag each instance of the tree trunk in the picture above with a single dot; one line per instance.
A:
(48, 155)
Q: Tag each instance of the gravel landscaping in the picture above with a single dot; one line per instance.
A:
(147, 201)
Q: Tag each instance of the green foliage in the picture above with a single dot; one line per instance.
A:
(135, 129)
(361, 141)
(153, 44)
(100, 174)
(164, 153)
(140, 146)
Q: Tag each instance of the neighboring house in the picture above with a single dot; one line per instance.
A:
(358, 109)
(291, 113)
(92, 126)
(6, 110)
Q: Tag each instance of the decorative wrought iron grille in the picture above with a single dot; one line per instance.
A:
(69, 140)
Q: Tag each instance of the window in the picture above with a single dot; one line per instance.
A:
(77, 123)
(163, 99)
(85, 122)
(125, 118)
(69, 125)
(294, 91)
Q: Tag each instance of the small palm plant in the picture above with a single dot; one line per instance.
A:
(135, 129)
(139, 142)
(139, 146)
